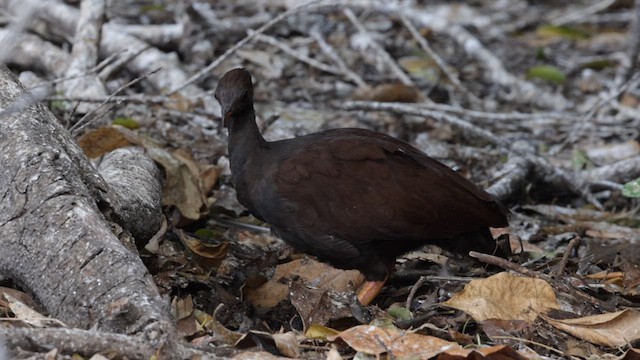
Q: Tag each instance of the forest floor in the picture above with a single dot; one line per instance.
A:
(538, 102)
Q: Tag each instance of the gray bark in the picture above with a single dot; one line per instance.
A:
(55, 241)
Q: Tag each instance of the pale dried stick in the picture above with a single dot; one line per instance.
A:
(207, 69)
(384, 55)
(330, 52)
(439, 61)
(296, 54)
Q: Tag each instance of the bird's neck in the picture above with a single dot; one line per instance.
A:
(245, 141)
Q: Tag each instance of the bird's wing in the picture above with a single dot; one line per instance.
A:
(359, 187)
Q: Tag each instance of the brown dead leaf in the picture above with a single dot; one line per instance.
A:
(182, 308)
(258, 355)
(388, 93)
(30, 316)
(287, 344)
(100, 141)
(209, 177)
(22, 296)
(504, 296)
(222, 334)
(610, 329)
(318, 306)
(183, 187)
(206, 254)
(375, 340)
(498, 352)
(308, 271)
(317, 331)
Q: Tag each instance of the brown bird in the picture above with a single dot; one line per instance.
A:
(354, 198)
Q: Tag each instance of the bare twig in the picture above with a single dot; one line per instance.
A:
(634, 41)
(413, 291)
(89, 117)
(207, 69)
(441, 63)
(586, 122)
(582, 13)
(382, 53)
(296, 54)
(330, 52)
(565, 257)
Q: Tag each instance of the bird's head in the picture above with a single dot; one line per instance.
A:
(235, 94)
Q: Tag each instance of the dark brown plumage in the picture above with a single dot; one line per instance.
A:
(354, 198)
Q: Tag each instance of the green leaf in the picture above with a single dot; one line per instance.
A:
(129, 123)
(566, 32)
(399, 313)
(546, 72)
(581, 160)
(632, 189)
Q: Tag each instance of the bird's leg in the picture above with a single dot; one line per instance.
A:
(370, 289)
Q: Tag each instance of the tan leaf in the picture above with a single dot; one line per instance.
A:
(28, 315)
(100, 141)
(309, 271)
(182, 188)
(223, 334)
(493, 352)
(610, 329)
(316, 331)
(397, 343)
(504, 296)
(206, 254)
(287, 344)
(388, 93)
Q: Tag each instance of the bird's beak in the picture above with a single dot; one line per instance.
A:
(225, 116)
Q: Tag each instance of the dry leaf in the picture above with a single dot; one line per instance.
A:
(309, 271)
(388, 93)
(102, 140)
(397, 343)
(501, 352)
(318, 306)
(504, 296)
(316, 331)
(182, 188)
(258, 355)
(610, 329)
(182, 308)
(212, 324)
(287, 344)
(207, 255)
(30, 316)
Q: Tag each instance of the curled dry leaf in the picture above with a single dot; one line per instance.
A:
(183, 186)
(102, 140)
(388, 93)
(287, 344)
(220, 333)
(318, 306)
(493, 352)
(504, 296)
(30, 316)
(610, 329)
(375, 340)
(309, 271)
(207, 255)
